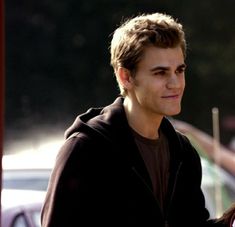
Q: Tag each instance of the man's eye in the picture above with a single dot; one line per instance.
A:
(160, 73)
(181, 70)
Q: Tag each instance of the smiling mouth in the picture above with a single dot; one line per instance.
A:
(171, 96)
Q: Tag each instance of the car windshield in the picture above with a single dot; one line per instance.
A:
(29, 170)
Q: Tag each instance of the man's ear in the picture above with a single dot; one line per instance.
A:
(124, 77)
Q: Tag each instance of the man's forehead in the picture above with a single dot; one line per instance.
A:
(163, 55)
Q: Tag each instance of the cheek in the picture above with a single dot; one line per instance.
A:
(183, 78)
(143, 93)
(182, 82)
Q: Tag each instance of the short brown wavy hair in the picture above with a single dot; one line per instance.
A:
(130, 39)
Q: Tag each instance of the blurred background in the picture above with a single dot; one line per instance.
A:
(57, 61)
(57, 64)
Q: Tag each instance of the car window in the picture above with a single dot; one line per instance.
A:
(26, 179)
(29, 184)
(20, 221)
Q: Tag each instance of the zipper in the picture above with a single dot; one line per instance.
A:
(166, 224)
(164, 216)
(172, 195)
(149, 190)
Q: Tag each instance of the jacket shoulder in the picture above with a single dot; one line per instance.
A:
(187, 146)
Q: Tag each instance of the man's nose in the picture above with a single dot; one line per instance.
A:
(174, 81)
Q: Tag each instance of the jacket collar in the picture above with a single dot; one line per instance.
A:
(131, 150)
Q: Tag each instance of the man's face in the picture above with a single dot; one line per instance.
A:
(159, 82)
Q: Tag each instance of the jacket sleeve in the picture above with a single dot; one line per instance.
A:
(59, 208)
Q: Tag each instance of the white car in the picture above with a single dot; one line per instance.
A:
(21, 208)
(28, 170)
(25, 178)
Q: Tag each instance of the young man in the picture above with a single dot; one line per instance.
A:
(124, 164)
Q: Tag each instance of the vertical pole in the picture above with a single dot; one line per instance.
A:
(2, 88)
(216, 136)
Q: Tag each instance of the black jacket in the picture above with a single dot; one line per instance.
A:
(100, 179)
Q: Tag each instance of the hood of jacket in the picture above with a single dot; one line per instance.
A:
(106, 122)
(110, 123)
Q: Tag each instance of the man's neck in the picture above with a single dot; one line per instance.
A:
(145, 124)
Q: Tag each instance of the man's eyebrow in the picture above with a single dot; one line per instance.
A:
(182, 66)
(165, 68)
(159, 68)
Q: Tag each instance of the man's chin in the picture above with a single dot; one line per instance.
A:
(174, 113)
